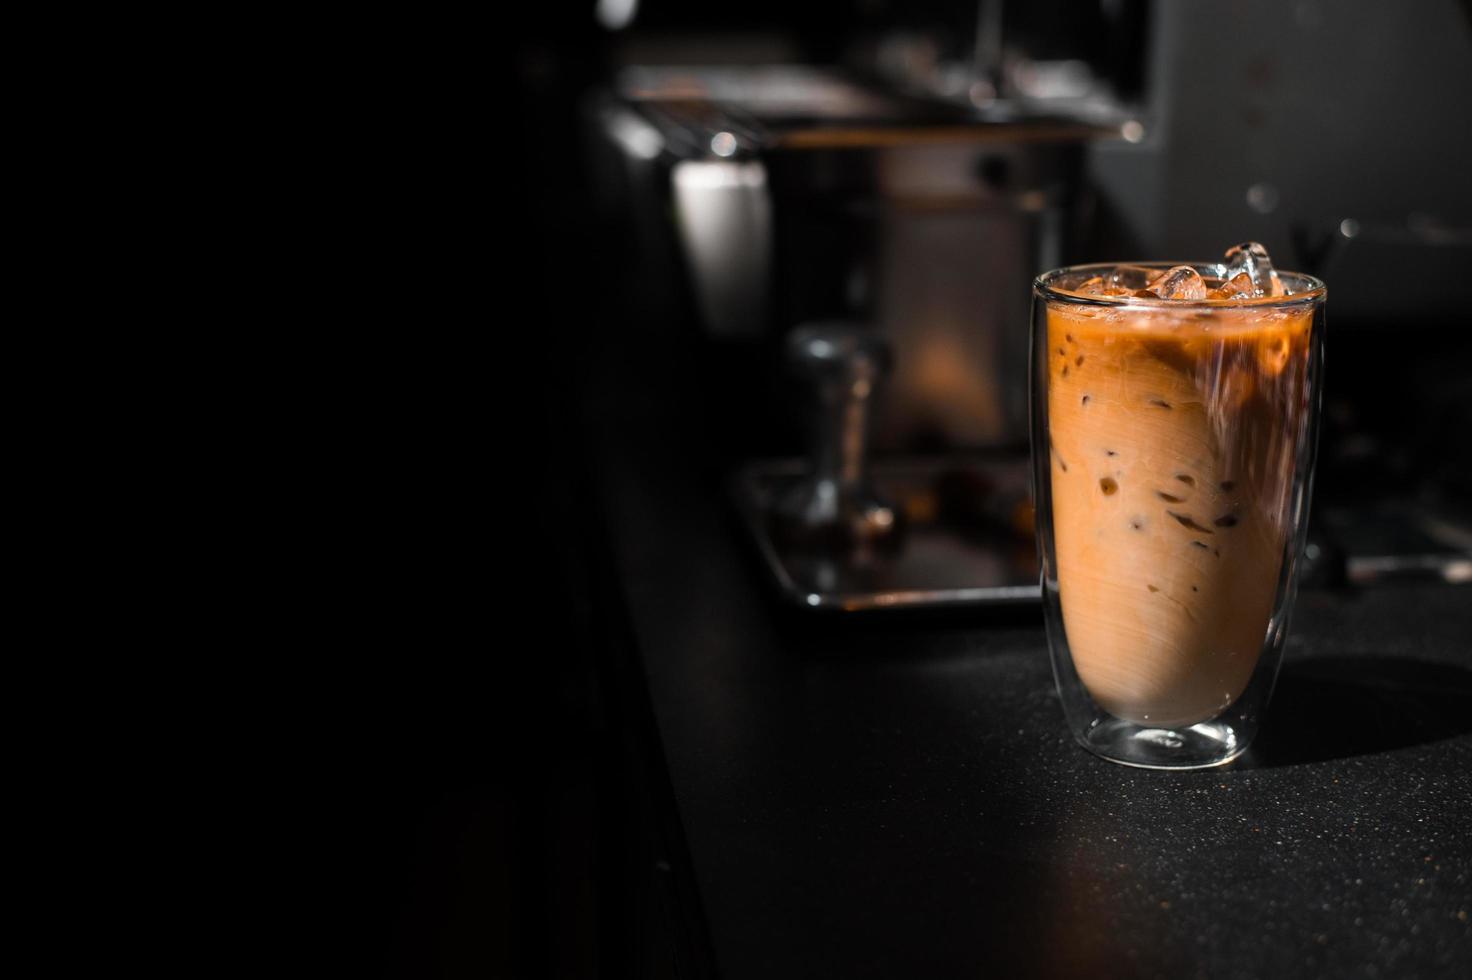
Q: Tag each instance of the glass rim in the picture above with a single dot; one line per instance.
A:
(1315, 290)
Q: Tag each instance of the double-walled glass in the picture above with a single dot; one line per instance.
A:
(1173, 448)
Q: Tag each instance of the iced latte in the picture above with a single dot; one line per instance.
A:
(1177, 417)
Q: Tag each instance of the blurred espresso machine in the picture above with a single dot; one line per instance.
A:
(916, 188)
(846, 203)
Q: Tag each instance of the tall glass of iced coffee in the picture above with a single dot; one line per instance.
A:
(1174, 411)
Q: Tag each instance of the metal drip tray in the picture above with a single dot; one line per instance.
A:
(966, 537)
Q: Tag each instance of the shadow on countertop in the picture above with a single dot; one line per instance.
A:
(1340, 707)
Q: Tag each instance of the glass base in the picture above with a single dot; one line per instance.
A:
(1210, 743)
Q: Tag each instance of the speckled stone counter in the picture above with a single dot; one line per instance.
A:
(898, 796)
(884, 797)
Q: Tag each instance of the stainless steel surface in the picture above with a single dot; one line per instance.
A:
(967, 541)
(1336, 111)
(723, 215)
(1397, 540)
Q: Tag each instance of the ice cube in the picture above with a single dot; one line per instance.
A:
(1252, 258)
(1180, 282)
(1128, 278)
(1100, 286)
(1239, 285)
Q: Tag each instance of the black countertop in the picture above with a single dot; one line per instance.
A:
(899, 796)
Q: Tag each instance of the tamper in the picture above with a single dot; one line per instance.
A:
(834, 506)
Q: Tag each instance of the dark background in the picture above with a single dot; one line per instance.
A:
(468, 785)
(507, 753)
